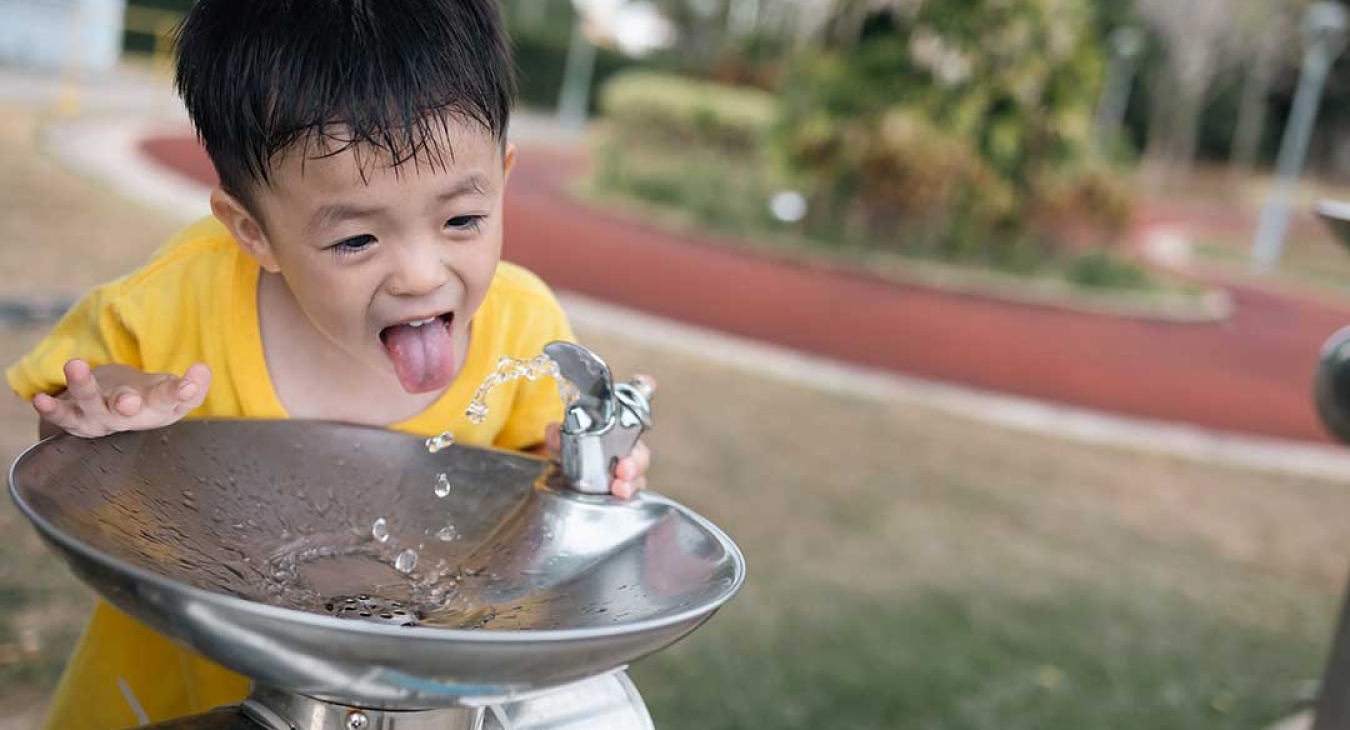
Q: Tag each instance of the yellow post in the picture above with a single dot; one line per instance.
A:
(68, 94)
(159, 25)
(163, 52)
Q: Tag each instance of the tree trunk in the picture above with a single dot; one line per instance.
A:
(1252, 109)
(1186, 129)
(1162, 89)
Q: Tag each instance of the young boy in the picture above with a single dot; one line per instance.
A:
(350, 272)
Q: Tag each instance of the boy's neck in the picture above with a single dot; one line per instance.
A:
(315, 379)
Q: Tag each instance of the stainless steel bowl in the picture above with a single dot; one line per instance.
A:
(252, 542)
(1336, 214)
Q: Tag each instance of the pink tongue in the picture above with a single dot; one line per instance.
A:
(424, 357)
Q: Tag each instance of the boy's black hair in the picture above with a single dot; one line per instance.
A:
(259, 76)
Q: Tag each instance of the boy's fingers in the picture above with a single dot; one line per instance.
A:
(641, 457)
(199, 376)
(125, 402)
(553, 438)
(622, 489)
(634, 466)
(46, 404)
(65, 417)
(80, 382)
(168, 393)
(648, 380)
(51, 409)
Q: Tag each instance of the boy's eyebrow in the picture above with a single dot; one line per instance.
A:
(474, 184)
(335, 213)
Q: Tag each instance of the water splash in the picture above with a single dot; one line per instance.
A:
(511, 368)
(447, 533)
(441, 442)
(406, 561)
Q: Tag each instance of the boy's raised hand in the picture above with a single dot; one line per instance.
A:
(630, 475)
(121, 398)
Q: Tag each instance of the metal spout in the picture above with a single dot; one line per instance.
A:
(604, 423)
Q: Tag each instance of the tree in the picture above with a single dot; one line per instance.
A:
(1273, 28)
(1206, 40)
(1196, 36)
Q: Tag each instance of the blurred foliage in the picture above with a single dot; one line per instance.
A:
(671, 109)
(541, 61)
(945, 128)
(1103, 269)
(689, 144)
(896, 181)
(1088, 205)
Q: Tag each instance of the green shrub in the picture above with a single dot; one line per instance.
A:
(1102, 269)
(1082, 207)
(957, 126)
(672, 111)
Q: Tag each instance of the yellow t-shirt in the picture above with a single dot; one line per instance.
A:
(197, 301)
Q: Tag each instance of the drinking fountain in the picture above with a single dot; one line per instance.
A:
(364, 581)
(1331, 394)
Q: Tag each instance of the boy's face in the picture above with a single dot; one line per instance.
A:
(390, 267)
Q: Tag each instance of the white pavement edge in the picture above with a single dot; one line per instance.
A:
(108, 149)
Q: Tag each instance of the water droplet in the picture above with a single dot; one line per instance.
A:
(477, 413)
(438, 443)
(380, 530)
(406, 561)
(442, 486)
(447, 533)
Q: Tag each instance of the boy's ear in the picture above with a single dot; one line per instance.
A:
(246, 229)
(508, 161)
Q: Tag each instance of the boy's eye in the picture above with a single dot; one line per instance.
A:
(355, 244)
(465, 222)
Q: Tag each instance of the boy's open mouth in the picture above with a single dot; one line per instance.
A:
(422, 351)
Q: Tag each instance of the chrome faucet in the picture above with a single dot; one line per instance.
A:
(604, 423)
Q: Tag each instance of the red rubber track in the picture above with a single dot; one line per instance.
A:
(1251, 374)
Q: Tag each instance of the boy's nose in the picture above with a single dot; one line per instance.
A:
(419, 271)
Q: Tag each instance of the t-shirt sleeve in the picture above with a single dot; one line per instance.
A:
(536, 402)
(93, 330)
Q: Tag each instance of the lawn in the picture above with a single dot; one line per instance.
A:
(908, 569)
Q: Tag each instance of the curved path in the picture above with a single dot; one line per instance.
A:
(1251, 374)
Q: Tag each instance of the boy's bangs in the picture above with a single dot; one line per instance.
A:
(263, 77)
(410, 136)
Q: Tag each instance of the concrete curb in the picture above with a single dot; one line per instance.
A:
(108, 148)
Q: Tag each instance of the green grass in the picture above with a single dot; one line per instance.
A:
(980, 661)
(1313, 262)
